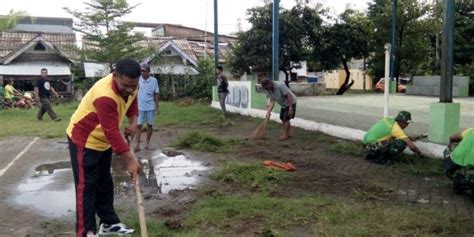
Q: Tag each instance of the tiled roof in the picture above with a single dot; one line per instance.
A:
(202, 49)
(12, 41)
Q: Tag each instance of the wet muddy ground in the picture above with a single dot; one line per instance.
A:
(39, 187)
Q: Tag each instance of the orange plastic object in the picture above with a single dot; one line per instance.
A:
(279, 165)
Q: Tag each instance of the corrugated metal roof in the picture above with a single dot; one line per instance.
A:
(34, 69)
(174, 70)
(42, 28)
(96, 69)
(11, 41)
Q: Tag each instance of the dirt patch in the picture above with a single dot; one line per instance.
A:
(319, 170)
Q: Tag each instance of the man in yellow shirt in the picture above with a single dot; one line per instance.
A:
(11, 92)
(386, 139)
(93, 134)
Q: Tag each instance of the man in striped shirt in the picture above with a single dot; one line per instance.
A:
(93, 134)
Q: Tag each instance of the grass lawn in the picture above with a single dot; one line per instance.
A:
(19, 122)
(227, 211)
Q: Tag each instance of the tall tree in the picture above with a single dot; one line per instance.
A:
(253, 50)
(416, 31)
(9, 21)
(464, 41)
(105, 37)
(343, 41)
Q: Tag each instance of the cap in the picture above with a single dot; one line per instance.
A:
(28, 96)
(145, 67)
(404, 116)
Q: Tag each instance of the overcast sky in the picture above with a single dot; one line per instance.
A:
(193, 13)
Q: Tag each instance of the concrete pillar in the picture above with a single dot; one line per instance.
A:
(445, 115)
(444, 121)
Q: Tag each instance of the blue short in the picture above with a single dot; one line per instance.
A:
(147, 117)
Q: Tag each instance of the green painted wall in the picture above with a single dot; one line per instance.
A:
(215, 97)
(259, 100)
(444, 121)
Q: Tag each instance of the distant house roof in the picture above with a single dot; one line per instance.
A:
(13, 42)
(189, 33)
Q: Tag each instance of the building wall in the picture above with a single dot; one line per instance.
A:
(336, 78)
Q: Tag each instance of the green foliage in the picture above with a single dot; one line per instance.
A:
(298, 30)
(200, 141)
(174, 86)
(416, 33)
(85, 84)
(9, 21)
(343, 41)
(250, 175)
(200, 86)
(105, 38)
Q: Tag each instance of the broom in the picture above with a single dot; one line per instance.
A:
(138, 193)
(260, 132)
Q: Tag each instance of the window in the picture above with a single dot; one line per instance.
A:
(40, 47)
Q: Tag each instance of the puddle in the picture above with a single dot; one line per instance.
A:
(51, 194)
(176, 173)
(162, 174)
(50, 189)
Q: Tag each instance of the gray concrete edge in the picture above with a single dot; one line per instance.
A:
(427, 148)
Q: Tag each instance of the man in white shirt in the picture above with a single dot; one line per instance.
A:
(148, 105)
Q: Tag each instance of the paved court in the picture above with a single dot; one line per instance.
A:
(362, 111)
(29, 153)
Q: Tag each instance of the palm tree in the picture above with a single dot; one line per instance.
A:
(9, 21)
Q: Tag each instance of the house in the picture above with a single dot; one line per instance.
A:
(176, 58)
(335, 78)
(33, 45)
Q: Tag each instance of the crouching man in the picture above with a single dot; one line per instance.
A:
(387, 139)
(459, 159)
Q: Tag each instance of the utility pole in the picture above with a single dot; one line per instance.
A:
(216, 36)
(276, 40)
(387, 79)
(446, 93)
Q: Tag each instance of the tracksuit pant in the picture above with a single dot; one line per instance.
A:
(94, 188)
(45, 107)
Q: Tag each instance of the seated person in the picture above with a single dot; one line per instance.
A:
(459, 157)
(26, 102)
(387, 139)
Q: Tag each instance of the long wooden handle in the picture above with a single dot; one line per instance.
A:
(141, 209)
(138, 194)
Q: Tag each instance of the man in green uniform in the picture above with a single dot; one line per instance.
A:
(459, 158)
(386, 139)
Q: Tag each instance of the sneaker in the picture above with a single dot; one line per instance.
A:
(115, 229)
(57, 119)
(91, 234)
